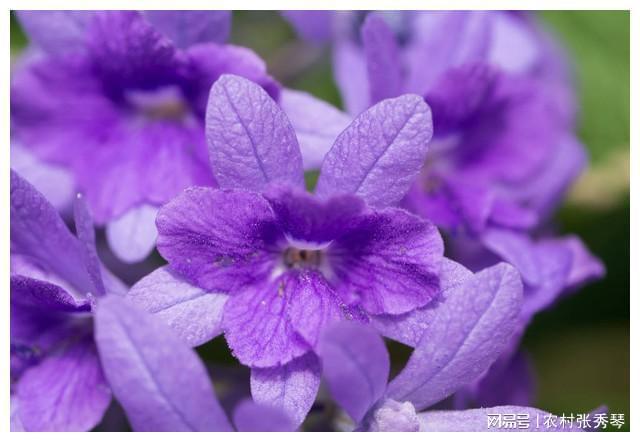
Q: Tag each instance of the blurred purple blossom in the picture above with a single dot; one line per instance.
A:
(117, 99)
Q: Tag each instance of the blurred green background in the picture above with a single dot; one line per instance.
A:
(580, 349)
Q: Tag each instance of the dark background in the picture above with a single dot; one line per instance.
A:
(580, 348)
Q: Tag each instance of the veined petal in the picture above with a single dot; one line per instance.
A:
(290, 387)
(193, 313)
(381, 153)
(355, 365)
(65, 392)
(389, 262)
(279, 320)
(471, 329)
(218, 239)
(251, 141)
(160, 382)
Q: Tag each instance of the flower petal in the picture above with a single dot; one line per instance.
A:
(160, 382)
(251, 141)
(350, 73)
(383, 59)
(472, 327)
(355, 365)
(127, 52)
(274, 322)
(56, 32)
(218, 239)
(186, 28)
(253, 417)
(316, 122)
(409, 327)
(389, 262)
(479, 420)
(65, 392)
(307, 218)
(381, 152)
(38, 232)
(87, 237)
(55, 183)
(193, 313)
(291, 387)
(133, 235)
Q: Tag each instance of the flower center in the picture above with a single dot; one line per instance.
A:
(166, 103)
(295, 257)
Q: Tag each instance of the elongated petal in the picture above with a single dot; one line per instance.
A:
(409, 327)
(383, 59)
(279, 320)
(473, 327)
(87, 237)
(133, 235)
(56, 32)
(381, 153)
(291, 387)
(65, 392)
(38, 231)
(251, 141)
(186, 28)
(389, 262)
(316, 122)
(250, 416)
(355, 365)
(193, 313)
(218, 239)
(158, 380)
(488, 419)
(515, 248)
(350, 73)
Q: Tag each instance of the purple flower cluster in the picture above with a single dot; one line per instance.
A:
(459, 125)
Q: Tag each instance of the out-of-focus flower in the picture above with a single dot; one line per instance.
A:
(117, 98)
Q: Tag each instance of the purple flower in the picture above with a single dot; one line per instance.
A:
(117, 99)
(275, 265)
(356, 369)
(57, 382)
